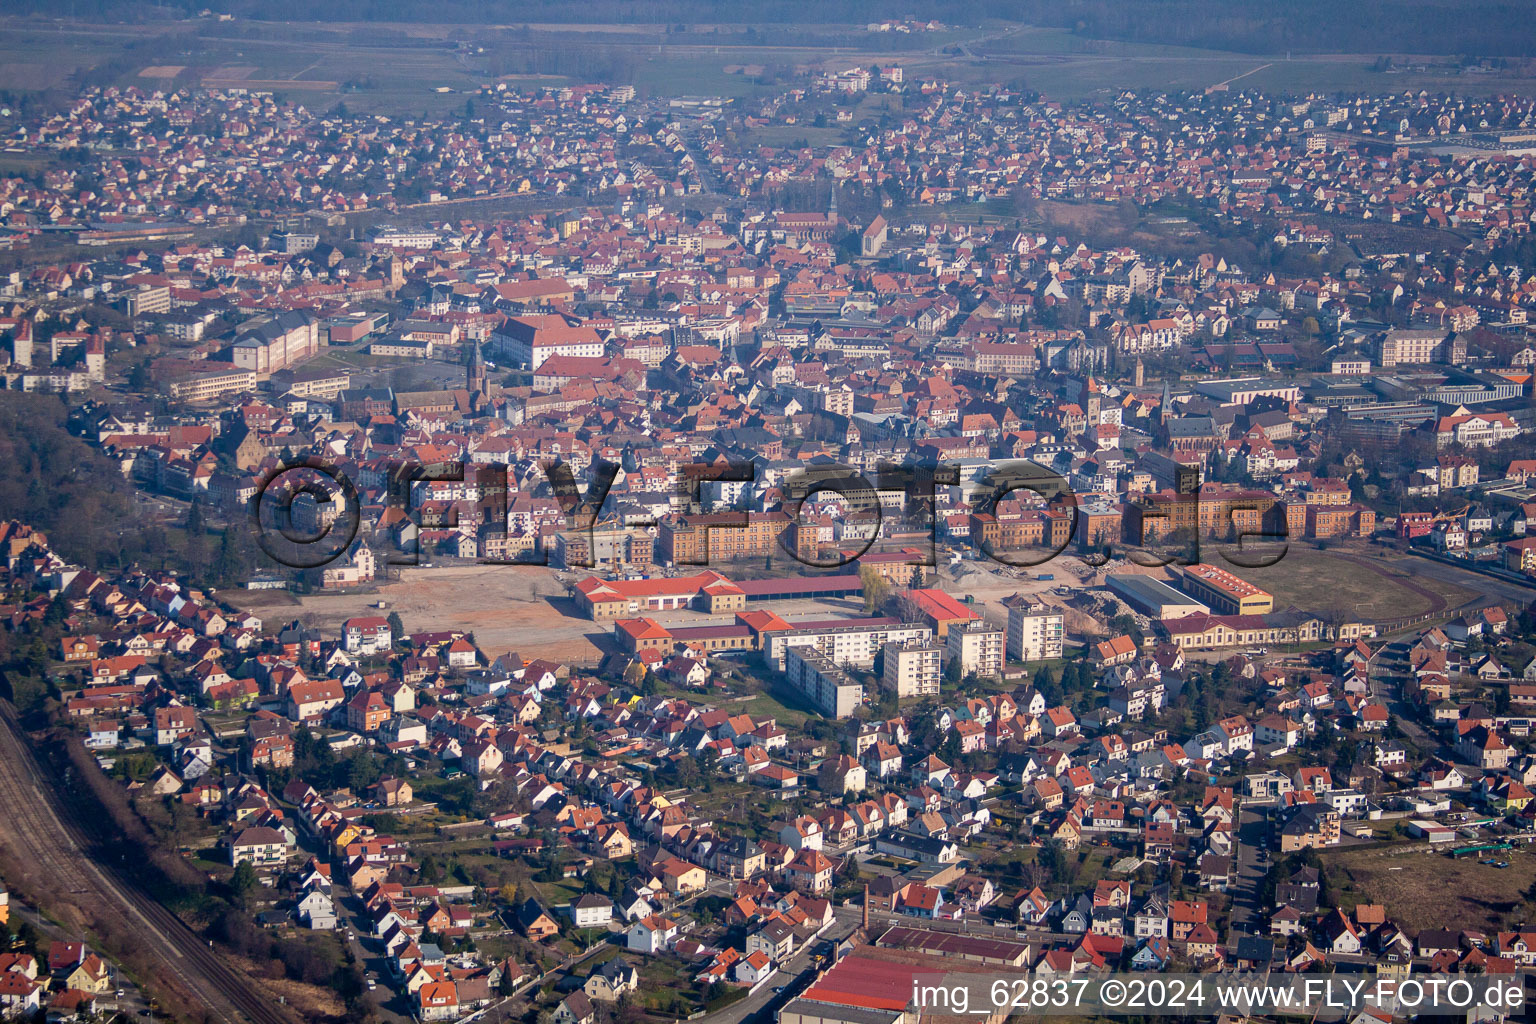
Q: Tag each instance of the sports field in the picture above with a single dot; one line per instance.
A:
(1367, 583)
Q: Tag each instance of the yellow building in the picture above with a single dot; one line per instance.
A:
(1225, 593)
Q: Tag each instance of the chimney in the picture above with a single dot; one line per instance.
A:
(866, 908)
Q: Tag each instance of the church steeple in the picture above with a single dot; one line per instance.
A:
(474, 375)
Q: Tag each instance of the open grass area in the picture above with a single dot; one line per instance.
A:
(1064, 65)
(781, 702)
(681, 75)
(793, 134)
(556, 894)
(1356, 581)
(1442, 893)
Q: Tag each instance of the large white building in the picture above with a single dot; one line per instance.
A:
(831, 690)
(978, 647)
(529, 340)
(845, 642)
(1475, 429)
(405, 238)
(1035, 631)
(275, 343)
(912, 669)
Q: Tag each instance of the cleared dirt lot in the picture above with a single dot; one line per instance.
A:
(524, 608)
(507, 607)
(1427, 890)
(989, 583)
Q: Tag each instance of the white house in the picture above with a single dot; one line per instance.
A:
(1276, 730)
(317, 911)
(369, 634)
(652, 934)
(804, 833)
(753, 968)
(1348, 802)
(591, 911)
(262, 846)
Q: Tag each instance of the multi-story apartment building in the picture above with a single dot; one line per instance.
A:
(826, 686)
(605, 547)
(404, 238)
(702, 539)
(1038, 528)
(978, 647)
(1212, 512)
(845, 641)
(912, 669)
(205, 387)
(148, 299)
(1035, 630)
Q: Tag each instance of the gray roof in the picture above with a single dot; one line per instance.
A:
(270, 330)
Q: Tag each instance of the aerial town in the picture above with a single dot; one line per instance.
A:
(602, 557)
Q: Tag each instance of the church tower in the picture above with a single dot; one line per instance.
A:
(474, 377)
(1093, 400)
(1140, 377)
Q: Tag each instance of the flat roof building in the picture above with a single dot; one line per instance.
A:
(912, 669)
(829, 689)
(979, 648)
(845, 641)
(1152, 597)
(1035, 630)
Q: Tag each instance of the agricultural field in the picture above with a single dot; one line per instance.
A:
(410, 69)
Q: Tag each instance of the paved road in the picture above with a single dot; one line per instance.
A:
(1384, 680)
(1487, 587)
(1252, 843)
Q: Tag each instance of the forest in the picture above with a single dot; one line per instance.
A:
(81, 500)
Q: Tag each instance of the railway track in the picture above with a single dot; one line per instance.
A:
(62, 840)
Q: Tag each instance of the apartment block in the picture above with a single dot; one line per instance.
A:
(912, 669)
(826, 686)
(1035, 630)
(978, 647)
